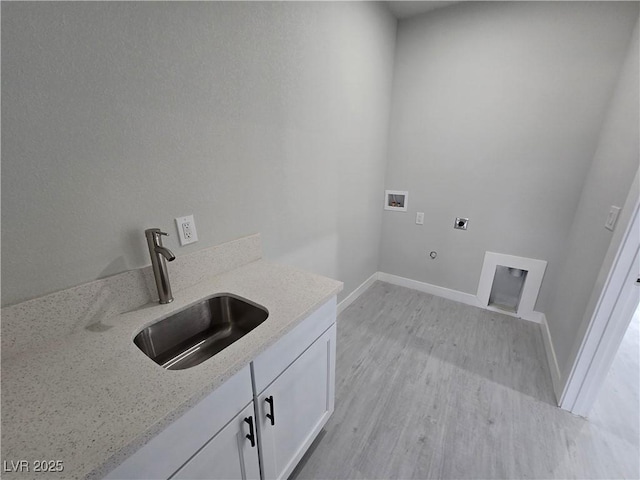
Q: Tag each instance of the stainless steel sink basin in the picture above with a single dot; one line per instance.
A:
(195, 334)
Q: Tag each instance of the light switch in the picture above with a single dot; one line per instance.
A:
(612, 218)
(420, 218)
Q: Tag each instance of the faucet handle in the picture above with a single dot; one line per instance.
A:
(153, 234)
(156, 231)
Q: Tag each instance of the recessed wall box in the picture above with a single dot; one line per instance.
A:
(461, 223)
(396, 200)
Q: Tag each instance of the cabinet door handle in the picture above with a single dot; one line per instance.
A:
(250, 436)
(271, 416)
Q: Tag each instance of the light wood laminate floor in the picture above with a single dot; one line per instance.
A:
(430, 388)
(617, 408)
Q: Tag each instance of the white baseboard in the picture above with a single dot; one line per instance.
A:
(443, 292)
(552, 360)
(349, 299)
(535, 317)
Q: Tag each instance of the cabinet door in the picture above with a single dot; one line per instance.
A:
(299, 402)
(228, 455)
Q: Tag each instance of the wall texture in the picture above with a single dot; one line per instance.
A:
(610, 177)
(255, 117)
(496, 113)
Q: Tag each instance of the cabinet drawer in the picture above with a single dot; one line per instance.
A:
(171, 448)
(273, 361)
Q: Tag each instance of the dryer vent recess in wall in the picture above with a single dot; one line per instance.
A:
(510, 284)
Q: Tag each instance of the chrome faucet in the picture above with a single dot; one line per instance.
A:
(159, 257)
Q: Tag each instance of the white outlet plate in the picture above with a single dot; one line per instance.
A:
(612, 218)
(186, 230)
(419, 218)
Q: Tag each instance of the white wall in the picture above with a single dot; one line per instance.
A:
(608, 183)
(255, 117)
(496, 113)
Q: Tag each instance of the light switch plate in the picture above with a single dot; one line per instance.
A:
(419, 218)
(186, 230)
(612, 218)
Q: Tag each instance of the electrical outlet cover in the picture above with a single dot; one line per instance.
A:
(186, 230)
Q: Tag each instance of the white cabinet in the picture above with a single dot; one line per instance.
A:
(275, 359)
(234, 430)
(295, 407)
(168, 451)
(231, 454)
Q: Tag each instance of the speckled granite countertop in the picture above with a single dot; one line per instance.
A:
(93, 398)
